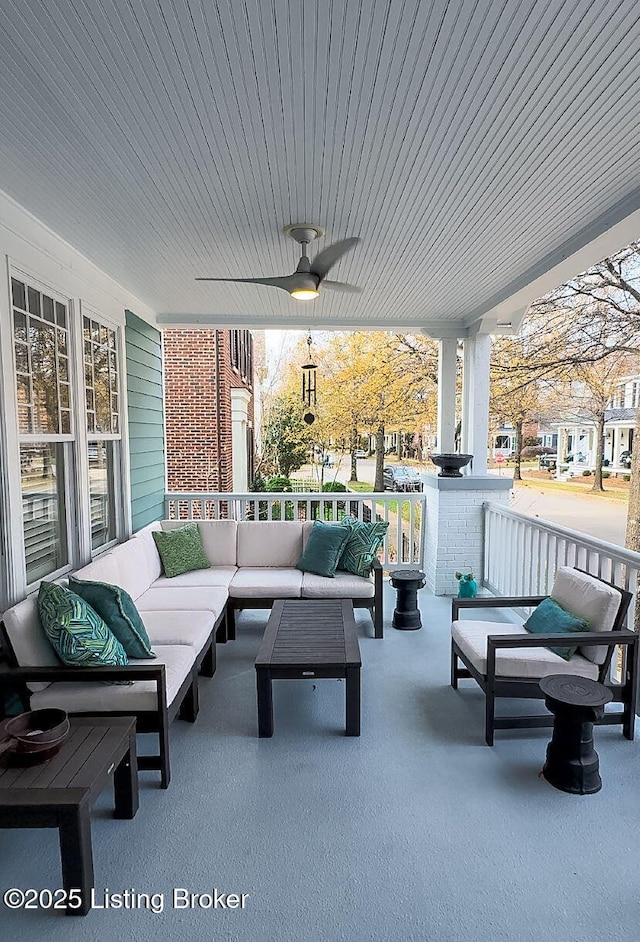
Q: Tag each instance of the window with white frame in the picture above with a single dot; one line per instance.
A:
(102, 398)
(43, 391)
(55, 428)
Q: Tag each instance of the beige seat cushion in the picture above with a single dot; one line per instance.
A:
(343, 586)
(197, 598)
(191, 628)
(263, 582)
(219, 576)
(90, 697)
(531, 663)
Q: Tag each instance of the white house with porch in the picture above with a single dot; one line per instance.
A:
(578, 439)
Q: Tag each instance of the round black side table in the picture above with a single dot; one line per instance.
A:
(572, 763)
(406, 615)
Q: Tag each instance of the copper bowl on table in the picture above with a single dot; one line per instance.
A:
(34, 736)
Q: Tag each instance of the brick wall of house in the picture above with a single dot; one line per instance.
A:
(198, 378)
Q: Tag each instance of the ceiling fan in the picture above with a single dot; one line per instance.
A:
(304, 283)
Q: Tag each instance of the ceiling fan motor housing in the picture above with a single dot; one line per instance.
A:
(303, 281)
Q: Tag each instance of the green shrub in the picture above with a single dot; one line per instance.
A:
(277, 483)
(330, 486)
(626, 477)
(606, 474)
(586, 474)
(258, 484)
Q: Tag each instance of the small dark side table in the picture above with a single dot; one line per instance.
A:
(60, 792)
(406, 582)
(572, 763)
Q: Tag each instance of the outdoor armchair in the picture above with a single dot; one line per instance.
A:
(508, 661)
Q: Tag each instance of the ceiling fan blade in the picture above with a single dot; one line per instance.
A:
(329, 256)
(283, 282)
(341, 286)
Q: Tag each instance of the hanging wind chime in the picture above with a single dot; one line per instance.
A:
(309, 380)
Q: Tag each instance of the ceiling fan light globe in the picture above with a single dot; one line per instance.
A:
(304, 294)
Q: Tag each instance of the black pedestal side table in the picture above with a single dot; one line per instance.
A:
(406, 615)
(572, 763)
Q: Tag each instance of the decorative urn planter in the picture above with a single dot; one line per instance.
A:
(450, 464)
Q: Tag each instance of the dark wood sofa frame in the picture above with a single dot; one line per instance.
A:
(373, 604)
(515, 687)
(185, 704)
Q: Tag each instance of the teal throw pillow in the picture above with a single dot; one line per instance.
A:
(550, 618)
(324, 548)
(361, 548)
(181, 550)
(78, 634)
(116, 607)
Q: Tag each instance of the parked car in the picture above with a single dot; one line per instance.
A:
(399, 477)
(360, 453)
(625, 459)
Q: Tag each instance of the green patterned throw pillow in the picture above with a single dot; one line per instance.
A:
(116, 607)
(361, 548)
(323, 549)
(78, 634)
(181, 550)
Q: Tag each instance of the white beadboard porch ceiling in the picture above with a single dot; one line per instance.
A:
(472, 145)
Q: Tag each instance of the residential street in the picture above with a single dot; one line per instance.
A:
(602, 518)
(597, 516)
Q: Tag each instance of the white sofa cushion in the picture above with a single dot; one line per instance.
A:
(103, 569)
(191, 628)
(197, 598)
(590, 599)
(81, 697)
(344, 585)
(269, 543)
(265, 583)
(531, 663)
(30, 644)
(219, 538)
(219, 576)
(138, 564)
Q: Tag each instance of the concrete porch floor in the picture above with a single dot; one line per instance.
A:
(414, 831)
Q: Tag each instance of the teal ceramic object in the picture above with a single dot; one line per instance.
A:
(467, 587)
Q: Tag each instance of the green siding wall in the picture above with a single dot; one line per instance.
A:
(146, 421)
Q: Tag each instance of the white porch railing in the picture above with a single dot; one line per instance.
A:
(404, 542)
(522, 554)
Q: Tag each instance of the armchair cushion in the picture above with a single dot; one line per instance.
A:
(525, 663)
(588, 598)
(550, 618)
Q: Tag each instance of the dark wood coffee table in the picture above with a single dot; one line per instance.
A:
(60, 792)
(308, 639)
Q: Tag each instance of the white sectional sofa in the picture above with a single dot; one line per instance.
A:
(251, 564)
(256, 561)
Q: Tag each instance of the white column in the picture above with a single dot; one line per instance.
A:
(240, 399)
(447, 367)
(475, 400)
